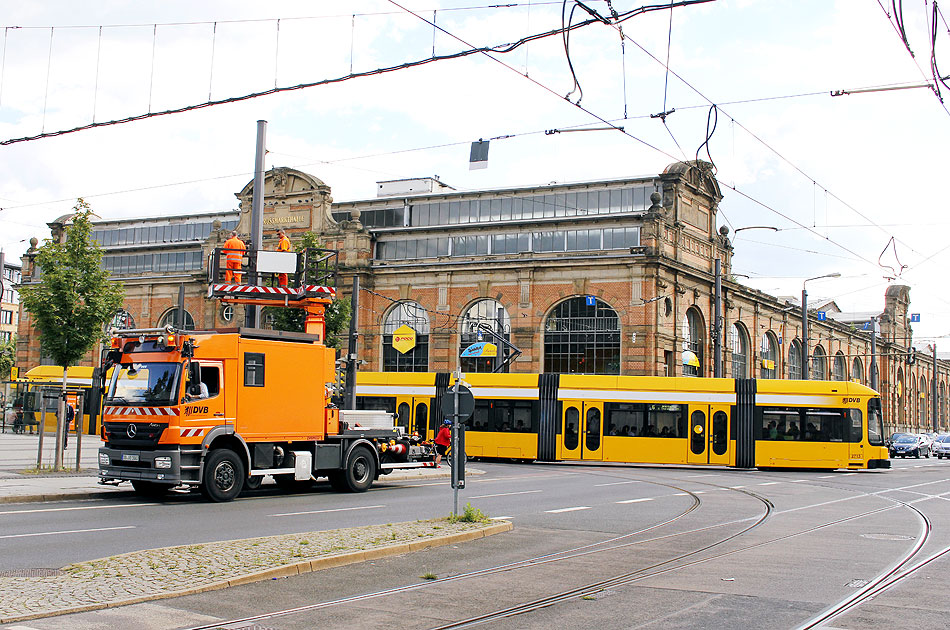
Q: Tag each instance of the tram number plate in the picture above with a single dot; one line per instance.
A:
(130, 457)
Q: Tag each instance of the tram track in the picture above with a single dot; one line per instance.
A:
(611, 544)
(901, 570)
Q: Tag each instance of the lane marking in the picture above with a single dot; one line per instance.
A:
(68, 531)
(635, 500)
(601, 485)
(699, 492)
(570, 509)
(501, 518)
(681, 494)
(736, 487)
(505, 494)
(349, 509)
(70, 509)
(769, 483)
(827, 476)
(798, 481)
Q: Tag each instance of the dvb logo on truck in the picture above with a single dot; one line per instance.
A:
(195, 410)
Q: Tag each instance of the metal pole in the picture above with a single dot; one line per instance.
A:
(805, 366)
(455, 444)
(253, 313)
(350, 397)
(180, 315)
(873, 378)
(717, 326)
(933, 391)
(499, 356)
(78, 419)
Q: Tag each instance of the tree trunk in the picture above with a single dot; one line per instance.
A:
(60, 416)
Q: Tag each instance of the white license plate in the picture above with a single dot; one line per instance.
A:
(130, 457)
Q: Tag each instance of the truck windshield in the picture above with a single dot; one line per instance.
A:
(144, 384)
(875, 423)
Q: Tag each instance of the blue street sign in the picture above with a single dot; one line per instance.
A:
(820, 316)
(915, 317)
(866, 326)
(591, 300)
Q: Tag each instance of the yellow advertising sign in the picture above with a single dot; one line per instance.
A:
(404, 339)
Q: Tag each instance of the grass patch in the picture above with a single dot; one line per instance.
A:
(428, 575)
(470, 515)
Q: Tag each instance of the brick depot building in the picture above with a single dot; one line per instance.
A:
(606, 277)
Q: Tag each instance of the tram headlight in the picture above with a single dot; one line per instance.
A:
(104, 459)
(163, 462)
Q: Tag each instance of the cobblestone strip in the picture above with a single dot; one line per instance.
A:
(175, 571)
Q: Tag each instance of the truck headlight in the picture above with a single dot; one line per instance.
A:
(163, 462)
(104, 459)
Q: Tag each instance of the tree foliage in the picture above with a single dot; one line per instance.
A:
(74, 298)
(7, 357)
(337, 315)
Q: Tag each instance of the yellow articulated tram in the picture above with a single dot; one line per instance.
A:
(642, 419)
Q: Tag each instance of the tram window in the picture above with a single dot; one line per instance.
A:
(697, 440)
(479, 420)
(377, 403)
(720, 442)
(875, 425)
(514, 416)
(402, 416)
(571, 421)
(666, 421)
(624, 419)
(421, 414)
(808, 424)
(857, 425)
(592, 429)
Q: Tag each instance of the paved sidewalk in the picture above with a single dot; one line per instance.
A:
(186, 570)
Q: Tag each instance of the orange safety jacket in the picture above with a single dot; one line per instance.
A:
(235, 249)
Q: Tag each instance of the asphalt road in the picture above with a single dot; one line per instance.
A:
(681, 548)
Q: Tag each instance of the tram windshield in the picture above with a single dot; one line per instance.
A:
(144, 384)
(875, 423)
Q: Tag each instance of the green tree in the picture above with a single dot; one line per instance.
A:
(73, 299)
(337, 315)
(7, 357)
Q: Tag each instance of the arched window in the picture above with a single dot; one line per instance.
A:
(942, 404)
(857, 371)
(923, 400)
(900, 397)
(416, 322)
(170, 318)
(768, 354)
(819, 364)
(840, 367)
(912, 400)
(692, 343)
(582, 336)
(482, 315)
(795, 360)
(740, 352)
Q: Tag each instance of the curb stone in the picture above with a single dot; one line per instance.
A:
(288, 570)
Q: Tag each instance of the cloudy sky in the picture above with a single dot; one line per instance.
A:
(852, 182)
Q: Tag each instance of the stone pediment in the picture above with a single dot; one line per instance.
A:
(293, 200)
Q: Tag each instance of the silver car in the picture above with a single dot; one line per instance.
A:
(941, 446)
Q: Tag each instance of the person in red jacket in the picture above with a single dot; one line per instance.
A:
(443, 440)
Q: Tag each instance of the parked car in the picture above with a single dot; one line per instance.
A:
(927, 441)
(908, 445)
(894, 436)
(941, 446)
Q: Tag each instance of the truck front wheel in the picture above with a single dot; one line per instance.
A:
(223, 476)
(360, 470)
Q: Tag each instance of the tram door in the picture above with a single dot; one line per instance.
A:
(582, 431)
(413, 415)
(708, 434)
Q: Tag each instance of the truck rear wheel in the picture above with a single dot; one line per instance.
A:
(223, 476)
(360, 470)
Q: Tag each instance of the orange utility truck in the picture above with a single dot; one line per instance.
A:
(219, 410)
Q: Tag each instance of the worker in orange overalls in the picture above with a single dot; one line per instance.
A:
(283, 245)
(234, 249)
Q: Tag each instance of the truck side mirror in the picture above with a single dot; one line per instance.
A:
(194, 378)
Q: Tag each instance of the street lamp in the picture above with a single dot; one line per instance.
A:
(805, 366)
